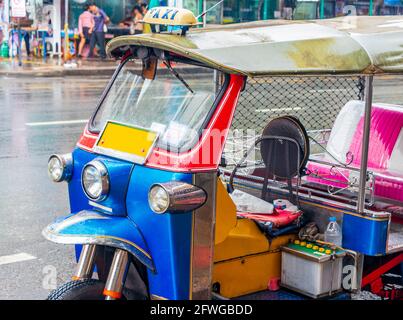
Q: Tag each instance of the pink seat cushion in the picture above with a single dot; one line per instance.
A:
(386, 125)
(279, 218)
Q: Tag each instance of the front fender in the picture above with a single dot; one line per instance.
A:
(91, 227)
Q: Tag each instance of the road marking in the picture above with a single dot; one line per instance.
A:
(19, 257)
(278, 109)
(327, 90)
(54, 123)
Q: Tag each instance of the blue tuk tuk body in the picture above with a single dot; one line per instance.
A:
(151, 210)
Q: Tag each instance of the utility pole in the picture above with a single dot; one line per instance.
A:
(66, 31)
(6, 19)
(200, 4)
(265, 9)
(322, 9)
(205, 16)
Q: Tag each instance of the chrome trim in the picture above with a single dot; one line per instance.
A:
(85, 265)
(101, 241)
(100, 206)
(67, 164)
(203, 236)
(156, 297)
(101, 168)
(182, 196)
(117, 274)
(310, 196)
(369, 81)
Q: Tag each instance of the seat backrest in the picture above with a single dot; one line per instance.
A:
(386, 128)
(386, 137)
(344, 129)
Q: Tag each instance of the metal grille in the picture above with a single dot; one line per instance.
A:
(315, 101)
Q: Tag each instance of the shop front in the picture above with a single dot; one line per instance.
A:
(235, 11)
(117, 10)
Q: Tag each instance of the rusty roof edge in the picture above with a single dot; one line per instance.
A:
(160, 44)
(157, 42)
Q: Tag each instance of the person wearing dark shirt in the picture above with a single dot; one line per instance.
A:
(98, 34)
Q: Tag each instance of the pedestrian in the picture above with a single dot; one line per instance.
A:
(144, 10)
(2, 21)
(26, 27)
(98, 35)
(86, 26)
(137, 23)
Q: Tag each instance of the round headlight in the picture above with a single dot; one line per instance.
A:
(60, 167)
(158, 198)
(175, 197)
(95, 180)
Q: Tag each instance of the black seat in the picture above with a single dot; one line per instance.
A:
(284, 148)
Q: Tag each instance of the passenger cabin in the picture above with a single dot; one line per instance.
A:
(305, 86)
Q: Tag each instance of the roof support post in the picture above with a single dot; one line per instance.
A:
(322, 9)
(371, 7)
(369, 83)
(265, 9)
(202, 7)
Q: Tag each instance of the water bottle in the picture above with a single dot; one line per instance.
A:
(333, 232)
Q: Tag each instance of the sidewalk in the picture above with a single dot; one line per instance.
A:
(53, 67)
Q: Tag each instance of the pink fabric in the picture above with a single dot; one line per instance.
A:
(389, 187)
(386, 126)
(385, 129)
(86, 20)
(279, 218)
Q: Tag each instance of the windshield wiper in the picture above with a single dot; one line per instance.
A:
(177, 75)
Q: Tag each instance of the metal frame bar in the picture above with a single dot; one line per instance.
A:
(85, 265)
(374, 275)
(117, 275)
(369, 83)
(202, 260)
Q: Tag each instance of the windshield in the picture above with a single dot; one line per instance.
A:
(177, 107)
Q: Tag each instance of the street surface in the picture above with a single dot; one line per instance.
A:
(29, 111)
(41, 116)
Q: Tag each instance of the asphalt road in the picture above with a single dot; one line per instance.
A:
(28, 199)
(30, 110)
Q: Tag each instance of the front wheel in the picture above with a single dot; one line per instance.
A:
(88, 289)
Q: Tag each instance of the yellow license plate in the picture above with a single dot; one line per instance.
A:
(126, 142)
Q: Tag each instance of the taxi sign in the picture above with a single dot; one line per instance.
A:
(170, 16)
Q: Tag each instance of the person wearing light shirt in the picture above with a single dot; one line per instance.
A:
(86, 26)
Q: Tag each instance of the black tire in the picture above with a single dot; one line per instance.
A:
(89, 289)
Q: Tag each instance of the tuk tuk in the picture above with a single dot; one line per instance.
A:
(215, 158)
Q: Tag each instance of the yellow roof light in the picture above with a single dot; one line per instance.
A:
(170, 16)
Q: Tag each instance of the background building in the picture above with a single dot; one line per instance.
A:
(233, 11)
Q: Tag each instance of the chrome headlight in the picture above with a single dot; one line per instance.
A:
(60, 167)
(95, 180)
(175, 196)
